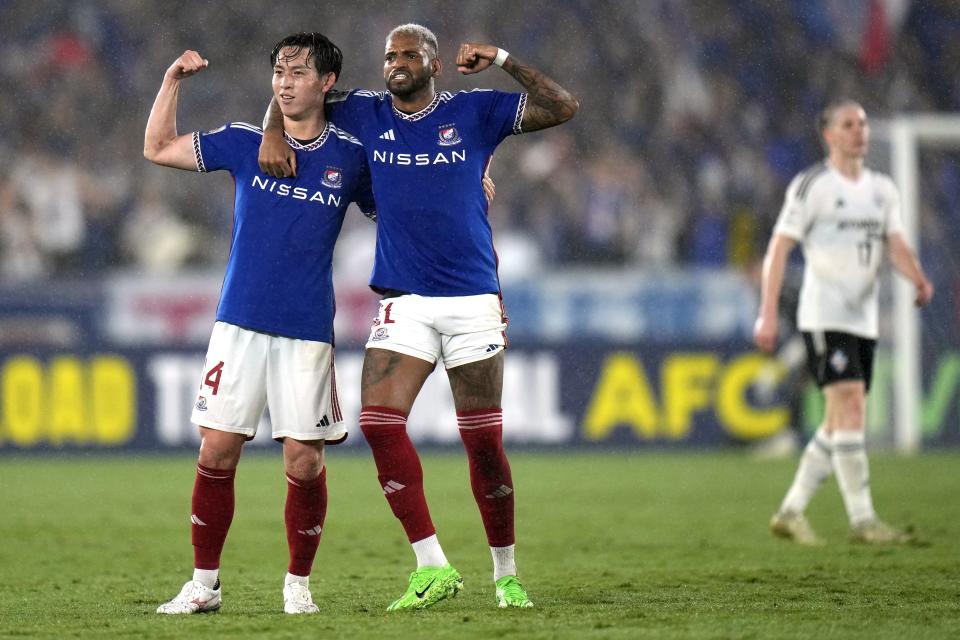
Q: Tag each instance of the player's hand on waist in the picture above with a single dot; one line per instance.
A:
(186, 65)
(276, 158)
(472, 58)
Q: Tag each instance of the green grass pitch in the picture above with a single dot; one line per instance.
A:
(620, 545)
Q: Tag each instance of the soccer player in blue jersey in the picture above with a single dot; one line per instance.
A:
(273, 339)
(437, 271)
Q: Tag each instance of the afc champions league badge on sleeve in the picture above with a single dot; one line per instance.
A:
(449, 136)
(332, 178)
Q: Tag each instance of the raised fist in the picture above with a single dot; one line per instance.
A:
(186, 65)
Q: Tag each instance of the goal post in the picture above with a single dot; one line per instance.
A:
(905, 134)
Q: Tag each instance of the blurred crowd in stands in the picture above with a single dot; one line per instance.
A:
(694, 116)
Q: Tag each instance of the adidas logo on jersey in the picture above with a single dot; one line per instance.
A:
(324, 422)
(387, 135)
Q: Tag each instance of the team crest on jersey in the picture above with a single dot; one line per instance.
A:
(449, 136)
(332, 178)
(839, 361)
(379, 334)
(201, 404)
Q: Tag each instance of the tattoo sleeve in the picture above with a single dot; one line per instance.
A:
(548, 104)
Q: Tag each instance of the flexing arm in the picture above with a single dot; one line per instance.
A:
(548, 104)
(904, 261)
(161, 144)
(765, 330)
(276, 157)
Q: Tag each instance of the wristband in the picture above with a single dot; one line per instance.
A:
(501, 57)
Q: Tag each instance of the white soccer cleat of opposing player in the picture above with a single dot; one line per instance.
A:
(297, 599)
(195, 597)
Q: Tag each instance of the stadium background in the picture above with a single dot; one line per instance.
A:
(628, 238)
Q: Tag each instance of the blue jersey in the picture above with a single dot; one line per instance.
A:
(279, 274)
(433, 236)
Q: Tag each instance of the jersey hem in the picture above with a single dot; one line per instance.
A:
(272, 331)
(433, 294)
(854, 331)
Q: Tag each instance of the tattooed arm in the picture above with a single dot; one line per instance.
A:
(548, 104)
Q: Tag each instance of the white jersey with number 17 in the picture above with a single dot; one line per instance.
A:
(843, 226)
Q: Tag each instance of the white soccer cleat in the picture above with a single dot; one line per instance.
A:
(195, 597)
(794, 527)
(297, 599)
(876, 531)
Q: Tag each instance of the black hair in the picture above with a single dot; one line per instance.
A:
(327, 56)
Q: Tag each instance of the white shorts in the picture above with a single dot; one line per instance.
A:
(246, 370)
(460, 329)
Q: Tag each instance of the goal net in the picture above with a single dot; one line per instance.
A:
(922, 154)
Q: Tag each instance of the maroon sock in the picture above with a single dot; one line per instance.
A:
(212, 513)
(398, 468)
(482, 435)
(304, 513)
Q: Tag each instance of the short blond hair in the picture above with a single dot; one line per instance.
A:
(424, 36)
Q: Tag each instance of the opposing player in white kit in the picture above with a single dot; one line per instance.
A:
(437, 270)
(845, 216)
(272, 343)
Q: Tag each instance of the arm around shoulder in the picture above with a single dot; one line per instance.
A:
(275, 157)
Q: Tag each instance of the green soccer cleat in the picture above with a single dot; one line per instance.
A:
(510, 593)
(428, 586)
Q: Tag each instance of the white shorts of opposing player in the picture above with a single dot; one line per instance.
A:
(458, 329)
(246, 370)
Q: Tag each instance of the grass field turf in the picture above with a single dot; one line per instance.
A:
(610, 546)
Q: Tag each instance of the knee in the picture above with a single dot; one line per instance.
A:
(852, 406)
(302, 460)
(220, 450)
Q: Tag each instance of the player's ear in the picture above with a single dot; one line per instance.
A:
(435, 67)
(329, 81)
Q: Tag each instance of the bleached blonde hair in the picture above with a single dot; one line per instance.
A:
(425, 37)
